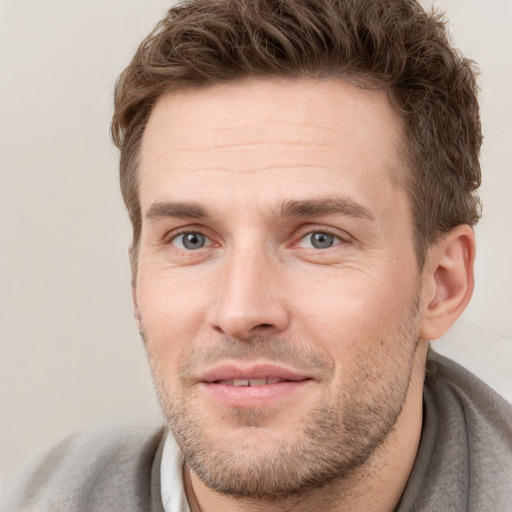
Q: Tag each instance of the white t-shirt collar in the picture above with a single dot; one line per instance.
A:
(174, 498)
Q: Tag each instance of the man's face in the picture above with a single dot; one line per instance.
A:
(277, 288)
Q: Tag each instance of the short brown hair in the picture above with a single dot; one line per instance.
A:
(389, 44)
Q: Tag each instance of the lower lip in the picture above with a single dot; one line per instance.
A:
(253, 396)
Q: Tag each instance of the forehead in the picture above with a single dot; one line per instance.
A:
(268, 139)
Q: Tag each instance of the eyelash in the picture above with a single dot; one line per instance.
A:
(343, 240)
(170, 237)
(322, 230)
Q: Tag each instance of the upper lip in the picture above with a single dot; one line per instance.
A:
(230, 371)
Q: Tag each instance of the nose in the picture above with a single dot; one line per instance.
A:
(250, 300)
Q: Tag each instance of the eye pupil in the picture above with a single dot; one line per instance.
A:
(322, 240)
(193, 240)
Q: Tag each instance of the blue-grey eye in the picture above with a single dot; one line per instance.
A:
(319, 240)
(190, 241)
(322, 240)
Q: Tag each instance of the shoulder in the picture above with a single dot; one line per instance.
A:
(473, 441)
(464, 461)
(91, 470)
(455, 388)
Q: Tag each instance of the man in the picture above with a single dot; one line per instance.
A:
(301, 178)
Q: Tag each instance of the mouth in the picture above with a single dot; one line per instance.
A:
(250, 386)
(251, 382)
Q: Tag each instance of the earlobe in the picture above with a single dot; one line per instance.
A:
(448, 281)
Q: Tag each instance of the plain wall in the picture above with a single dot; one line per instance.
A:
(70, 355)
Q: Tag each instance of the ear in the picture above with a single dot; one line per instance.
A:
(448, 281)
(133, 265)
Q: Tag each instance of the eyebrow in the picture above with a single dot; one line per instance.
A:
(324, 206)
(290, 208)
(174, 209)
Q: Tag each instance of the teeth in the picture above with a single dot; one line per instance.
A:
(257, 382)
(251, 382)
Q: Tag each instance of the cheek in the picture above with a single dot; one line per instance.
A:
(354, 317)
(350, 300)
(171, 314)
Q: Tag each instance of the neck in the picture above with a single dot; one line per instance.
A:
(376, 486)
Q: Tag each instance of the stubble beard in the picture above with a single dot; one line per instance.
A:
(335, 439)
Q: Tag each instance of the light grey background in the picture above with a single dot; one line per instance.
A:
(70, 355)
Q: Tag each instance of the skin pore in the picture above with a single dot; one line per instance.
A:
(277, 249)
